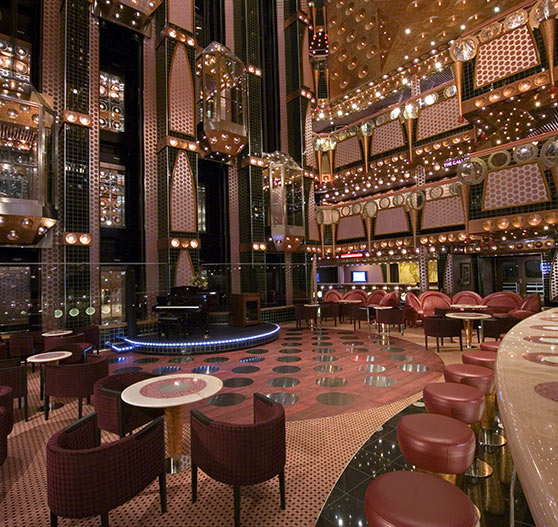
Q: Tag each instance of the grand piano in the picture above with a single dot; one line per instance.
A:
(185, 310)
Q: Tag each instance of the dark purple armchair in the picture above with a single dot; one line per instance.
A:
(306, 313)
(74, 380)
(240, 454)
(495, 327)
(440, 328)
(13, 373)
(21, 345)
(86, 478)
(6, 419)
(77, 344)
(113, 414)
(329, 310)
(92, 335)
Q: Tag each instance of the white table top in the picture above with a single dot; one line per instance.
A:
(57, 333)
(381, 308)
(49, 356)
(171, 390)
(469, 306)
(469, 316)
(528, 403)
(311, 305)
(350, 301)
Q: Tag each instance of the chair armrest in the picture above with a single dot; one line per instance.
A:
(108, 391)
(202, 418)
(264, 398)
(82, 421)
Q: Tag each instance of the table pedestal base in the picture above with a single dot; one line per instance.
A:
(52, 406)
(174, 465)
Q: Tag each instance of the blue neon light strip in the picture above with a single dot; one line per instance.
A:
(201, 344)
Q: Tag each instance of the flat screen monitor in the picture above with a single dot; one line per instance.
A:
(358, 276)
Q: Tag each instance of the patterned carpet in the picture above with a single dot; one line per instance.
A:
(318, 447)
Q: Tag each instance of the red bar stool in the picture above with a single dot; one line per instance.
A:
(412, 499)
(490, 346)
(481, 378)
(462, 402)
(480, 358)
(437, 444)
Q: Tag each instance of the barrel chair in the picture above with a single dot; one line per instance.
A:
(467, 297)
(413, 499)
(440, 328)
(13, 373)
(92, 335)
(77, 340)
(530, 306)
(88, 478)
(375, 297)
(356, 294)
(21, 345)
(413, 303)
(430, 300)
(391, 299)
(332, 295)
(240, 454)
(503, 301)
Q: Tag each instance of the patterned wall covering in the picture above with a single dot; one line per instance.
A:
(518, 185)
(181, 93)
(184, 269)
(234, 234)
(348, 152)
(313, 229)
(449, 281)
(305, 62)
(350, 227)
(442, 213)
(502, 57)
(438, 118)
(387, 137)
(181, 13)
(554, 277)
(183, 207)
(310, 154)
(390, 221)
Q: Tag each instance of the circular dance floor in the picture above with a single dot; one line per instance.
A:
(313, 373)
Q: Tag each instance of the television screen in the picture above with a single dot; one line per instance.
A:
(358, 276)
(318, 277)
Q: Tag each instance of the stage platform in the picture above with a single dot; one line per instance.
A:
(221, 338)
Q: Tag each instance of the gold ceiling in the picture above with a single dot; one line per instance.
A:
(368, 38)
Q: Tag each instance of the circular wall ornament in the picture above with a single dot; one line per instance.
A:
(464, 49)
(472, 172)
(499, 159)
(335, 215)
(398, 200)
(357, 207)
(395, 113)
(74, 312)
(345, 211)
(370, 209)
(549, 152)
(436, 192)
(525, 153)
(320, 217)
(491, 31)
(516, 19)
(58, 313)
(416, 199)
(384, 203)
(455, 188)
(411, 110)
(450, 91)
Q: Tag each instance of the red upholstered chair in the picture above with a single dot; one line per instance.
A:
(440, 328)
(91, 335)
(467, 297)
(413, 499)
(375, 296)
(360, 314)
(21, 345)
(74, 380)
(356, 294)
(86, 478)
(503, 301)
(430, 300)
(391, 299)
(6, 419)
(113, 414)
(240, 454)
(332, 295)
(13, 373)
(530, 306)
(412, 302)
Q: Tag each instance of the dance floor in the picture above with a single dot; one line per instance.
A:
(338, 388)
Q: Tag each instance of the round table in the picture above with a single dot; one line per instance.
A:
(57, 333)
(468, 306)
(318, 314)
(173, 392)
(350, 302)
(468, 323)
(50, 357)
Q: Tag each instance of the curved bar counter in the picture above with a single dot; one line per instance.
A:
(527, 384)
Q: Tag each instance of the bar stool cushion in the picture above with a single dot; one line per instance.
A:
(436, 443)
(478, 376)
(490, 346)
(462, 402)
(412, 499)
(480, 358)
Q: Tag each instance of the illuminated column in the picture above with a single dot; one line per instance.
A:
(423, 268)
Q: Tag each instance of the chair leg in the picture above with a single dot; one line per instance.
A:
(104, 519)
(163, 491)
(80, 407)
(25, 408)
(460, 342)
(19, 402)
(425, 341)
(89, 399)
(47, 406)
(236, 490)
(282, 488)
(53, 519)
(438, 344)
(194, 483)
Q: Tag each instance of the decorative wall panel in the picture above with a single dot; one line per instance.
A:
(305, 61)
(350, 227)
(387, 137)
(184, 269)
(390, 221)
(515, 186)
(438, 118)
(502, 57)
(348, 152)
(181, 93)
(443, 213)
(309, 147)
(183, 207)
(181, 14)
(313, 229)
